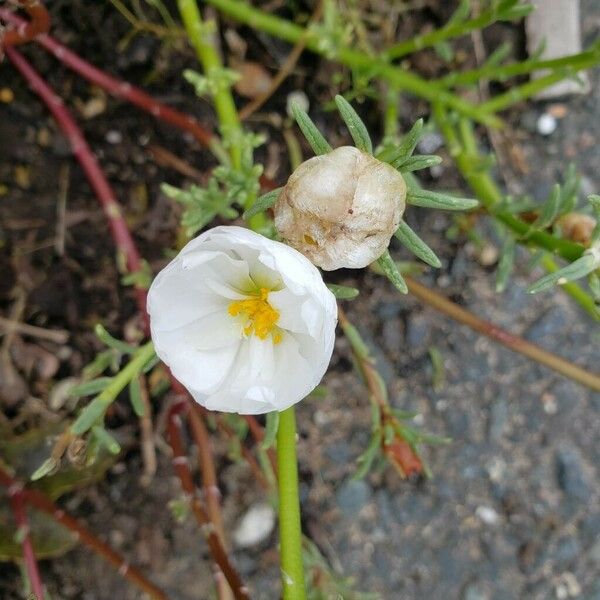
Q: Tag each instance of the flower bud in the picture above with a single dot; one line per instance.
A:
(341, 209)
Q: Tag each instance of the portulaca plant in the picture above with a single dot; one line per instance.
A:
(247, 324)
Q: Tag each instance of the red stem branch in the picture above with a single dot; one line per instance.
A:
(17, 503)
(42, 503)
(182, 468)
(115, 87)
(210, 486)
(120, 233)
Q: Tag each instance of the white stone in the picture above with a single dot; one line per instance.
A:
(546, 124)
(255, 526)
(487, 515)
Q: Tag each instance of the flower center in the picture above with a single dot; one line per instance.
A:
(259, 316)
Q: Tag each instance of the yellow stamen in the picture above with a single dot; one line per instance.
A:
(259, 316)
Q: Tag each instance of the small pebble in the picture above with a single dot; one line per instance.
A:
(114, 137)
(487, 515)
(549, 403)
(546, 124)
(430, 142)
(488, 255)
(255, 526)
(298, 97)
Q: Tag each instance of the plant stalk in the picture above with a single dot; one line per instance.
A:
(558, 364)
(290, 533)
(467, 156)
(209, 58)
(117, 87)
(17, 504)
(182, 468)
(42, 503)
(396, 76)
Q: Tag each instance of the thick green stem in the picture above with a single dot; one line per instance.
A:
(465, 153)
(527, 90)
(290, 533)
(98, 406)
(229, 119)
(574, 62)
(355, 59)
(451, 30)
(467, 159)
(208, 56)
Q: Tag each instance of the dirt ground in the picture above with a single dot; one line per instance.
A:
(512, 510)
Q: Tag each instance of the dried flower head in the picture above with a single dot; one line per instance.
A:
(341, 209)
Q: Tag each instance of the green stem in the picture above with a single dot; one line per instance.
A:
(466, 154)
(574, 62)
(229, 119)
(467, 157)
(449, 31)
(98, 406)
(355, 59)
(208, 56)
(522, 92)
(290, 533)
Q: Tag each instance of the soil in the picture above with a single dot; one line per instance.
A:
(512, 508)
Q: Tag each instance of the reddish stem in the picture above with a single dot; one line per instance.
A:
(17, 503)
(212, 495)
(115, 87)
(120, 233)
(182, 468)
(39, 501)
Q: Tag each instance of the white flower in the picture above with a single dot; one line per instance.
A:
(246, 324)
(341, 209)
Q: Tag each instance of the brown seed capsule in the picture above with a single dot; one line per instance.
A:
(341, 209)
(577, 227)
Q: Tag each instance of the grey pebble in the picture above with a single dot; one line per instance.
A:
(352, 495)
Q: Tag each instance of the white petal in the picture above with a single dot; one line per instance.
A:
(288, 305)
(175, 299)
(214, 330)
(201, 371)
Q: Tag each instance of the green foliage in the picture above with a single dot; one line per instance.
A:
(26, 452)
(332, 32)
(262, 203)
(323, 583)
(418, 162)
(94, 412)
(50, 539)
(391, 271)
(416, 245)
(310, 131)
(397, 153)
(343, 292)
(506, 262)
(271, 428)
(358, 130)
(438, 200)
(215, 81)
(135, 397)
(228, 186)
(141, 278)
(582, 267)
